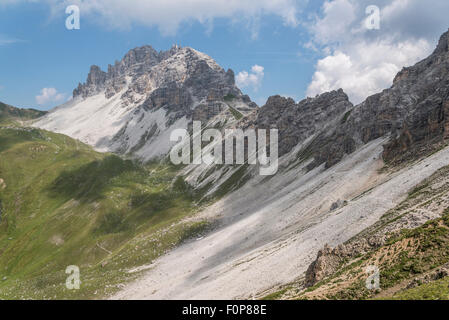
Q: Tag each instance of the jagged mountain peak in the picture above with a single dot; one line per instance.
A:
(145, 66)
(133, 107)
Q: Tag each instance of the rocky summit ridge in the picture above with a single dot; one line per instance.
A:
(132, 108)
(148, 69)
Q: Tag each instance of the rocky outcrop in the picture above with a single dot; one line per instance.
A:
(329, 260)
(326, 263)
(136, 62)
(95, 82)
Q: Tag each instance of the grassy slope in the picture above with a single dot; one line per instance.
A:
(228, 100)
(65, 204)
(412, 254)
(436, 290)
(10, 114)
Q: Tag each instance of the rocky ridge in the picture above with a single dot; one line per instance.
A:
(133, 107)
(298, 121)
(178, 80)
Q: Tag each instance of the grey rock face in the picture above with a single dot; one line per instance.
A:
(173, 79)
(298, 121)
(414, 112)
(422, 115)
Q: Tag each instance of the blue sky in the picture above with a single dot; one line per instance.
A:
(304, 47)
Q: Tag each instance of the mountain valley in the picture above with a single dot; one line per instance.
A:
(90, 184)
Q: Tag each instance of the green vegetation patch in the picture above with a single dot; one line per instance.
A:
(237, 115)
(229, 97)
(65, 204)
(346, 117)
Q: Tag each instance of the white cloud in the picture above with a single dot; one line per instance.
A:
(365, 69)
(49, 95)
(362, 61)
(337, 19)
(168, 15)
(251, 79)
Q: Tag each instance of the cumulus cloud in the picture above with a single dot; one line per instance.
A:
(49, 95)
(365, 69)
(362, 61)
(252, 79)
(168, 15)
